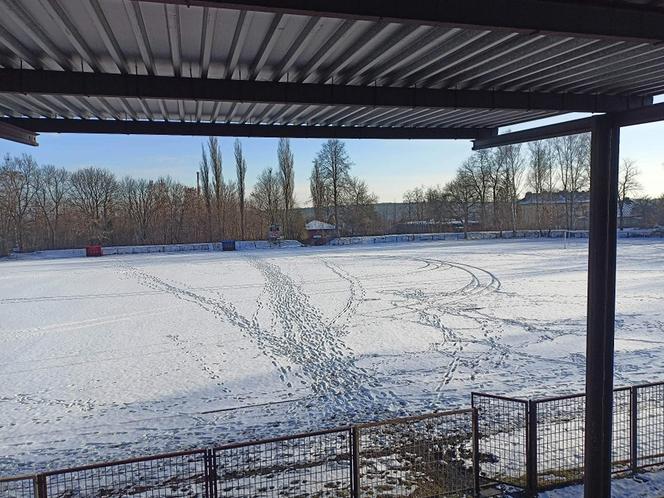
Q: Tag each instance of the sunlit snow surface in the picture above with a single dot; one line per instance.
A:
(127, 355)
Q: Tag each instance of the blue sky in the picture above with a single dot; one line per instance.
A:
(389, 167)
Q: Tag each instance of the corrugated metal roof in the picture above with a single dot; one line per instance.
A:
(150, 38)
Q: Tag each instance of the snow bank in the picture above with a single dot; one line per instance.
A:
(487, 235)
(244, 245)
(50, 254)
(116, 250)
(240, 245)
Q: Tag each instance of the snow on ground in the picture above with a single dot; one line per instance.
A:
(128, 355)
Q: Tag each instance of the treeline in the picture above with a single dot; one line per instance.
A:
(45, 207)
(339, 198)
(488, 189)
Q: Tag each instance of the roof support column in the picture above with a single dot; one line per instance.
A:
(601, 306)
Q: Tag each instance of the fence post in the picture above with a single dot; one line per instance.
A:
(633, 428)
(531, 448)
(39, 482)
(355, 462)
(210, 474)
(476, 452)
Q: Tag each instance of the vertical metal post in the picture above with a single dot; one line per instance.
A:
(601, 306)
(476, 452)
(39, 483)
(633, 428)
(531, 448)
(207, 469)
(355, 462)
(210, 474)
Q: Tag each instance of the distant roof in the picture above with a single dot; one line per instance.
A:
(554, 198)
(318, 225)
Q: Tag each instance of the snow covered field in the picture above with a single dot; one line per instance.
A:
(128, 355)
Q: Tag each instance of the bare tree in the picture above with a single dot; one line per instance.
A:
(170, 210)
(512, 168)
(93, 192)
(572, 154)
(437, 204)
(52, 188)
(319, 192)
(241, 171)
(496, 174)
(628, 184)
(265, 195)
(359, 207)
(141, 206)
(478, 169)
(539, 173)
(206, 189)
(286, 181)
(19, 177)
(217, 182)
(462, 197)
(335, 165)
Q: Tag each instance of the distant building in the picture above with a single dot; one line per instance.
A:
(319, 232)
(551, 210)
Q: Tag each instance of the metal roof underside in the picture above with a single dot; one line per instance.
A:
(250, 63)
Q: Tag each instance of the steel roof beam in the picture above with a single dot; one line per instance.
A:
(106, 33)
(344, 59)
(166, 87)
(17, 134)
(46, 125)
(61, 19)
(297, 46)
(133, 10)
(207, 38)
(18, 15)
(172, 15)
(565, 128)
(323, 52)
(648, 114)
(239, 35)
(274, 31)
(586, 19)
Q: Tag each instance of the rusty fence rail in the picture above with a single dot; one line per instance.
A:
(424, 456)
(539, 444)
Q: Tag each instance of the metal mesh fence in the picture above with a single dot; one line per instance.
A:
(560, 432)
(621, 437)
(650, 424)
(560, 440)
(19, 487)
(502, 438)
(316, 464)
(527, 444)
(174, 475)
(423, 457)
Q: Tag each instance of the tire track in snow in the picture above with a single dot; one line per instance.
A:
(431, 309)
(356, 296)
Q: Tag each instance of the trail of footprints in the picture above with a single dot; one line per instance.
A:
(302, 338)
